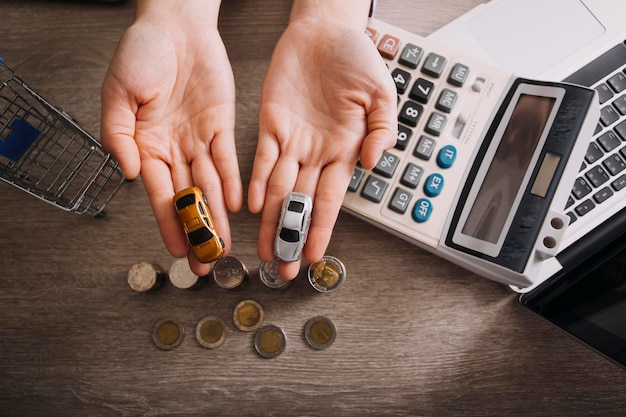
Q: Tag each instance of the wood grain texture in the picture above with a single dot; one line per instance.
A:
(416, 335)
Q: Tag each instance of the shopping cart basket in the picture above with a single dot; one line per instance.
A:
(45, 153)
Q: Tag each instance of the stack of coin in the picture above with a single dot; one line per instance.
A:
(269, 275)
(181, 275)
(145, 276)
(327, 275)
(230, 273)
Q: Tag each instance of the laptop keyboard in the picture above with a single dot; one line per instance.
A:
(603, 173)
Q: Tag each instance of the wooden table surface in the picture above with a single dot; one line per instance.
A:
(416, 334)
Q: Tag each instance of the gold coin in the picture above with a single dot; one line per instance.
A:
(327, 275)
(168, 334)
(320, 332)
(248, 315)
(270, 341)
(211, 332)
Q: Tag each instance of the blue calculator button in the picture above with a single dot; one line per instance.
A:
(446, 156)
(422, 210)
(433, 185)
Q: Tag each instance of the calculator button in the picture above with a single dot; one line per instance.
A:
(411, 55)
(478, 85)
(422, 210)
(411, 175)
(388, 46)
(446, 100)
(372, 34)
(387, 165)
(425, 147)
(410, 113)
(421, 90)
(402, 79)
(434, 65)
(436, 123)
(446, 156)
(355, 181)
(400, 200)
(403, 138)
(458, 75)
(374, 189)
(433, 185)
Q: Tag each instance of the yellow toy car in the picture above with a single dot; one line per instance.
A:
(194, 215)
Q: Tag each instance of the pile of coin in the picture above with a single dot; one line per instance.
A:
(230, 273)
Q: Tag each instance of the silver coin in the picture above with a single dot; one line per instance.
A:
(269, 275)
(145, 276)
(229, 273)
(181, 275)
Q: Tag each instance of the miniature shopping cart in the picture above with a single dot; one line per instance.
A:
(45, 153)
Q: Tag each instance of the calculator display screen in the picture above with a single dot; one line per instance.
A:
(513, 161)
(498, 192)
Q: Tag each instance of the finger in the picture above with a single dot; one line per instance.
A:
(382, 136)
(117, 132)
(199, 268)
(331, 189)
(289, 270)
(265, 159)
(157, 179)
(206, 177)
(224, 155)
(280, 184)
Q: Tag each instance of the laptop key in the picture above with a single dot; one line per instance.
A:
(581, 188)
(597, 176)
(609, 141)
(603, 195)
(614, 164)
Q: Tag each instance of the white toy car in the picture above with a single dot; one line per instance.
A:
(293, 226)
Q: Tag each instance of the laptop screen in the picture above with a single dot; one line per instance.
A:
(588, 299)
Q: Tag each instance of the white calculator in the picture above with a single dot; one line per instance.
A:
(484, 161)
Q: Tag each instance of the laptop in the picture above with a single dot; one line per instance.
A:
(581, 42)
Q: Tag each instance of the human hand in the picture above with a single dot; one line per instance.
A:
(168, 113)
(327, 100)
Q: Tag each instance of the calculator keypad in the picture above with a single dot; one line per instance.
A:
(443, 106)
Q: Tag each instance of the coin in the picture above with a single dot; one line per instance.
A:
(229, 273)
(168, 334)
(211, 332)
(144, 277)
(181, 275)
(269, 275)
(270, 341)
(320, 332)
(327, 275)
(248, 315)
